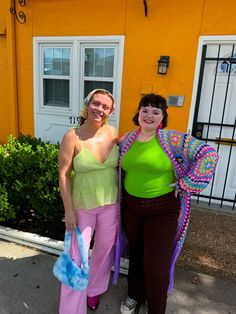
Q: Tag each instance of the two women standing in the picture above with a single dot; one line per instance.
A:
(158, 169)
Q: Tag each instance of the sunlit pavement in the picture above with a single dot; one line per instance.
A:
(28, 286)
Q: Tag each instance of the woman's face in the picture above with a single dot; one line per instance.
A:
(99, 109)
(150, 118)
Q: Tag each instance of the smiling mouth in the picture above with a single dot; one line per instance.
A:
(148, 121)
(98, 114)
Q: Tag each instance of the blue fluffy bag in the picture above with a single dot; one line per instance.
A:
(66, 270)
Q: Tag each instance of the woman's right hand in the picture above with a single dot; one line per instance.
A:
(70, 220)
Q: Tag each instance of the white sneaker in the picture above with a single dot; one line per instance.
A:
(128, 306)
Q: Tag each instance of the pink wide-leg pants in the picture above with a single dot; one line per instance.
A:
(104, 221)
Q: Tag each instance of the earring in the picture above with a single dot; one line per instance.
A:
(160, 125)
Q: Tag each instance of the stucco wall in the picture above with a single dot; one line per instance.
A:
(171, 28)
(8, 80)
(4, 105)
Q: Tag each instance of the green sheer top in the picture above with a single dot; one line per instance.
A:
(94, 183)
(148, 170)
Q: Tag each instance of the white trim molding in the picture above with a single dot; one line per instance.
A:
(44, 115)
(203, 40)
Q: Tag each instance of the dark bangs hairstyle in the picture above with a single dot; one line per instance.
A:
(156, 101)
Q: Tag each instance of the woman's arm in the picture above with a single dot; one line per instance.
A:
(203, 160)
(123, 139)
(66, 154)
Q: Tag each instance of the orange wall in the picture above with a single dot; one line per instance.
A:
(8, 108)
(171, 28)
(4, 112)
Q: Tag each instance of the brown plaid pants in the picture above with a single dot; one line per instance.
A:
(150, 226)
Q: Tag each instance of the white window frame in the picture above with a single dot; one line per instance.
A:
(42, 77)
(202, 41)
(76, 44)
(97, 78)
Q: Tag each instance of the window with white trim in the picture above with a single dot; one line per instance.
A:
(66, 69)
(98, 68)
(56, 76)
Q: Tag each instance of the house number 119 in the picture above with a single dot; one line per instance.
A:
(74, 120)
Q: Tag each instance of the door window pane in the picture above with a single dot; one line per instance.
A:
(91, 85)
(109, 62)
(56, 61)
(56, 93)
(99, 62)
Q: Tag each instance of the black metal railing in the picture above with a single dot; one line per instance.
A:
(206, 130)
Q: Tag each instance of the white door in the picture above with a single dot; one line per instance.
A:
(214, 116)
(66, 69)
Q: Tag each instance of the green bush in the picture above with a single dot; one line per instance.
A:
(29, 174)
(6, 210)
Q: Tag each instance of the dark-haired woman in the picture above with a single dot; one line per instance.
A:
(90, 196)
(160, 169)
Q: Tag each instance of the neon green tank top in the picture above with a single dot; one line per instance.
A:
(148, 170)
(94, 183)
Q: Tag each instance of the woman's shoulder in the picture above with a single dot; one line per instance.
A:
(169, 132)
(111, 132)
(111, 129)
(172, 139)
(71, 134)
(125, 136)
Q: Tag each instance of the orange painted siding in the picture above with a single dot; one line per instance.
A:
(8, 81)
(171, 28)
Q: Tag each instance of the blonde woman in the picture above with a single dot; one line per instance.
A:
(90, 196)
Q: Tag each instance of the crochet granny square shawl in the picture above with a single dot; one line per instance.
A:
(194, 164)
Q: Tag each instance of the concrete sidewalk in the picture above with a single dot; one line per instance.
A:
(28, 286)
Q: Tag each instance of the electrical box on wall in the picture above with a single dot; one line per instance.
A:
(175, 101)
